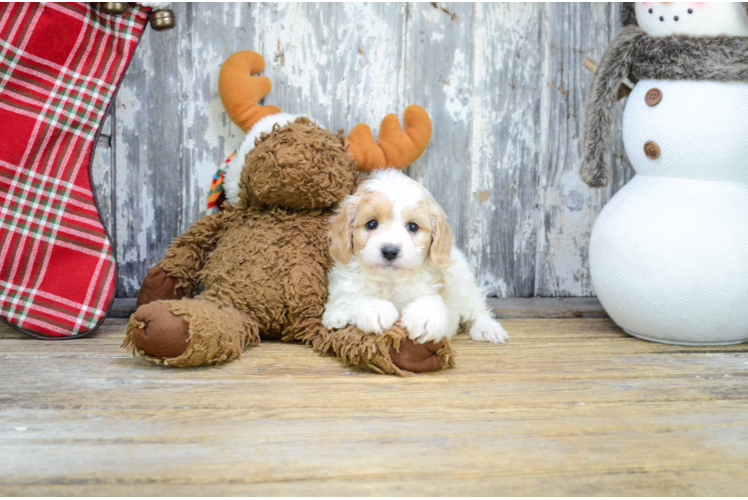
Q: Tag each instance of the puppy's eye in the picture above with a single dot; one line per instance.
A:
(412, 227)
(371, 225)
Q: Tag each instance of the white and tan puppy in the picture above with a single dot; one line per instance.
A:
(394, 258)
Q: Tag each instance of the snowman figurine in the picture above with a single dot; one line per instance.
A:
(669, 253)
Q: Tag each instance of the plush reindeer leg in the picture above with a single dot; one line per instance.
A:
(176, 275)
(157, 285)
(391, 353)
(190, 332)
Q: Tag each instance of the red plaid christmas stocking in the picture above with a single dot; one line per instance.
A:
(60, 65)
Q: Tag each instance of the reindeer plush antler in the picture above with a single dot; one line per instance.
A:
(241, 91)
(395, 147)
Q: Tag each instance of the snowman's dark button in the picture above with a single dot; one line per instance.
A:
(653, 96)
(652, 150)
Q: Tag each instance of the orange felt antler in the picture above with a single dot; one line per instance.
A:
(394, 147)
(240, 91)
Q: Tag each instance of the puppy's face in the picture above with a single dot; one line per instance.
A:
(393, 225)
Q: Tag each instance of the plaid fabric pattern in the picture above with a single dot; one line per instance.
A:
(60, 65)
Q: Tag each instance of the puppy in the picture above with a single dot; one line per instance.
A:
(395, 259)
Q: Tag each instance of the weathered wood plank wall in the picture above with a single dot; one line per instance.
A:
(504, 84)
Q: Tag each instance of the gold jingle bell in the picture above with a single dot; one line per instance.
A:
(162, 20)
(115, 8)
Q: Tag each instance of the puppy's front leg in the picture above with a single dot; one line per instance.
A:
(369, 314)
(426, 319)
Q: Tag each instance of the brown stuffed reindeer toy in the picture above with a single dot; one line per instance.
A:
(264, 259)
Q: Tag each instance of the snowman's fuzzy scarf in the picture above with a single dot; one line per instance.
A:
(635, 55)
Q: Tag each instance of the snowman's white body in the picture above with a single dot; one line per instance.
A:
(669, 253)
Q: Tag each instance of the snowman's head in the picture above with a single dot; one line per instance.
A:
(689, 18)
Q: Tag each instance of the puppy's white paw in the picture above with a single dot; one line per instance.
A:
(426, 321)
(334, 319)
(487, 329)
(377, 317)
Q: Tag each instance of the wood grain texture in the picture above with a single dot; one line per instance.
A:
(568, 207)
(504, 84)
(146, 150)
(482, 90)
(102, 175)
(546, 307)
(514, 308)
(339, 63)
(567, 407)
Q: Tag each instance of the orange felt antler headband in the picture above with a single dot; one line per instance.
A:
(394, 147)
(240, 91)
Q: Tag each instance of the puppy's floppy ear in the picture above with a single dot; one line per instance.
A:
(341, 229)
(441, 237)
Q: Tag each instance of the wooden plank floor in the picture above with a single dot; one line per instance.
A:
(569, 407)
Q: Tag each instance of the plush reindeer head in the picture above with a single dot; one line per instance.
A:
(291, 162)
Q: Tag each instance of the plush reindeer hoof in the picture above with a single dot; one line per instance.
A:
(164, 334)
(416, 357)
(157, 285)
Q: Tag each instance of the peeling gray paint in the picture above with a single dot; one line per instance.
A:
(504, 85)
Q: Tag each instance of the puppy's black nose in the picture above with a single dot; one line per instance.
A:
(390, 252)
